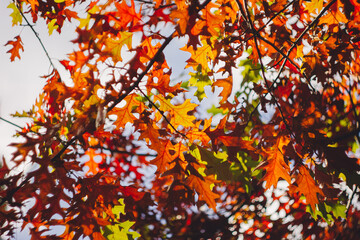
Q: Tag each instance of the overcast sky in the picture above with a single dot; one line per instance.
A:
(20, 81)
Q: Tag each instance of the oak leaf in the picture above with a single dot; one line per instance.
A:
(16, 45)
(203, 188)
(202, 55)
(275, 165)
(16, 16)
(164, 160)
(183, 17)
(179, 113)
(213, 19)
(114, 45)
(306, 186)
(124, 114)
(91, 163)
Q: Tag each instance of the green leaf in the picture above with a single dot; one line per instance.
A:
(326, 211)
(339, 211)
(117, 209)
(215, 110)
(215, 165)
(200, 81)
(251, 73)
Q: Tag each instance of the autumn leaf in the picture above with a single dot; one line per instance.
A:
(164, 160)
(203, 188)
(179, 113)
(125, 114)
(275, 165)
(183, 16)
(52, 26)
(226, 85)
(92, 164)
(314, 5)
(16, 45)
(306, 186)
(127, 14)
(202, 55)
(16, 15)
(114, 46)
(215, 166)
(213, 19)
(98, 132)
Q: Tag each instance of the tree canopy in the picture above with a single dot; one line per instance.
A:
(119, 147)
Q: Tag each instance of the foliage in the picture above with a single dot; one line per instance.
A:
(93, 140)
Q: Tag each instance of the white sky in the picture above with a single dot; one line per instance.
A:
(20, 81)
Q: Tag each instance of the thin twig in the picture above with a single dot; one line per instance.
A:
(350, 200)
(290, 49)
(14, 124)
(300, 38)
(36, 35)
(255, 33)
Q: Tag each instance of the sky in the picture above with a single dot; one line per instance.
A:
(21, 82)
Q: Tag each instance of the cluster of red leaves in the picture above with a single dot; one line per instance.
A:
(90, 142)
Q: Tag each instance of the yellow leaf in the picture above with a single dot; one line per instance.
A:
(52, 26)
(179, 114)
(200, 56)
(16, 16)
(84, 21)
(313, 5)
(114, 46)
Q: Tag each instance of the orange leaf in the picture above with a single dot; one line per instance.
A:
(214, 19)
(91, 163)
(164, 159)
(203, 188)
(98, 236)
(227, 85)
(183, 16)
(275, 165)
(127, 14)
(16, 46)
(307, 186)
(124, 114)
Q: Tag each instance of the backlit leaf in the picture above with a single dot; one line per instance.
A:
(16, 45)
